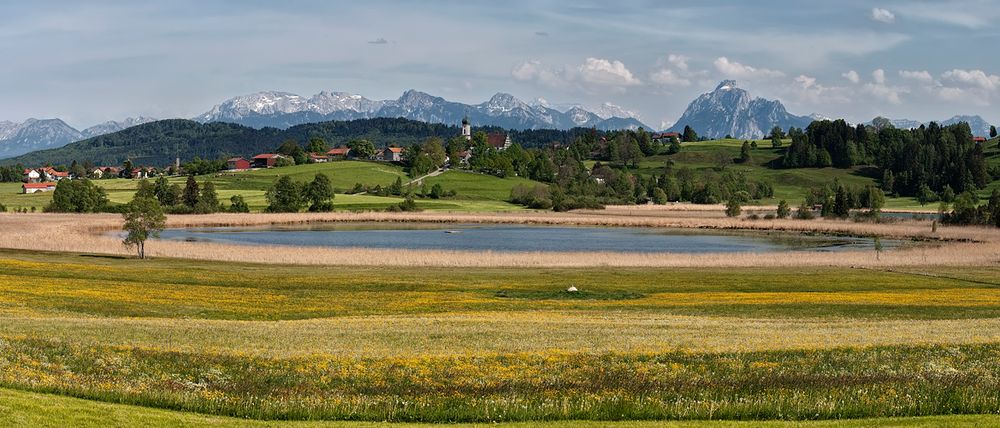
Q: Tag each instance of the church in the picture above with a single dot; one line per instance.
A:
(499, 141)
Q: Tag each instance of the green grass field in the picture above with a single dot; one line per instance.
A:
(475, 192)
(480, 345)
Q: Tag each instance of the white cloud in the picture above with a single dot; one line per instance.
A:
(921, 76)
(535, 71)
(879, 76)
(604, 72)
(852, 76)
(678, 61)
(890, 94)
(735, 69)
(974, 78)
(807, 89)
(883, 15)
(668, 77)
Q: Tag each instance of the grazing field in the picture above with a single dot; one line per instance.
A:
(475, 192)
(482, 345)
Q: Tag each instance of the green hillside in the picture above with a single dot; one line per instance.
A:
(475, 192)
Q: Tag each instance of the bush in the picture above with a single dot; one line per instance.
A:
(804, 212)
(536, 197)
(238, 205)
(77, 196)
(783, 210)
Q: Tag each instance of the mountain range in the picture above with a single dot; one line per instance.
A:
(40, 134)
(283, 110)
(979, 126)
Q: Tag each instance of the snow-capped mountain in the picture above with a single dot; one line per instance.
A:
(729, 110)
(283, 110)
(40, 134)
(979, 126)
(609, 110)
(35, 134)
(115, 126)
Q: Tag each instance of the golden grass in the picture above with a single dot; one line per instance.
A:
(963, 246)
(489, 333)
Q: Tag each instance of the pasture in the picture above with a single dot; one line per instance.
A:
(411, 344)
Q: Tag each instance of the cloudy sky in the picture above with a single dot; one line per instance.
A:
(88, 62)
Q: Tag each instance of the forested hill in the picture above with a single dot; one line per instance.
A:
(158, 143)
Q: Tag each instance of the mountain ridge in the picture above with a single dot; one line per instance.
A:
(283, 110)
(730, 110)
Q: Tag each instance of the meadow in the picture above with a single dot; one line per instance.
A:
(284, 342)
(474, 192)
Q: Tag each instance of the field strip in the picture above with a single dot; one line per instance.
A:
(962, 246)
(496, 332)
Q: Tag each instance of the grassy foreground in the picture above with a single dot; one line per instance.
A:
(18, 408)
(482, 345)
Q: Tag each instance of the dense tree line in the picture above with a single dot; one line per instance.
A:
(159, 143)
(930, 157)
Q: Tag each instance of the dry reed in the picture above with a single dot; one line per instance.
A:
(959, 246)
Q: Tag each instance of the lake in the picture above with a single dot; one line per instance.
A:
(520, 238)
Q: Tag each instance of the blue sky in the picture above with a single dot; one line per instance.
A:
(88, 62)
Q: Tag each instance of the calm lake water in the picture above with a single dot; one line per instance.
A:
(517, 238)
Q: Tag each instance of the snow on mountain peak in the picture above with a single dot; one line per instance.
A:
(726, 85)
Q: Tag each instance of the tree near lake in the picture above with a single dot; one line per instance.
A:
(77, 196)
(320, 194)
(144, 219)
(191, 192)
(783, 210)
(285, 196)
(238, 205)
(208, 201)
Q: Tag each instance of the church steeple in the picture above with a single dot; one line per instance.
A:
(466, 128)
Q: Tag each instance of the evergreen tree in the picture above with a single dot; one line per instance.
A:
(783, 210)
(745, 152)
(993, 131)
(191, 192)
(689, 135)
(208, 201)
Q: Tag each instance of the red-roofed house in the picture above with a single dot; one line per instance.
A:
(392, 154)
(978, 140)
(266, 160)
(38, 187)
(339, 153)
(498, 141)
(237, 164)
(32, 176)
(319, 158)
(666, 136)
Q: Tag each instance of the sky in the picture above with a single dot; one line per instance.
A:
(88, 62)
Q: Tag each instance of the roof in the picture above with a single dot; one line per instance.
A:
(58, 174)
(978, 138)
(496, 140)
(267, 156)
(395, 149)
(317, 156)
(38, 185)
(236, 159)
(338, 151)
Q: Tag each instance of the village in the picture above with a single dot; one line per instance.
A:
(46, 178)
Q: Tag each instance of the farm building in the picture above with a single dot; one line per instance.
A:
(392, 154)
(237, 164)
(498, 141)
(28, 188)
(266, 160)
(339, 153)
(318, 158)
(979, 140)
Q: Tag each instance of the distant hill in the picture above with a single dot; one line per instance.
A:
(730, 110)
(159, 143)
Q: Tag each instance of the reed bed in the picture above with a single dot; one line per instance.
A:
(959, 246)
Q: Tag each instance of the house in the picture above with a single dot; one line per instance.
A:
(53, 175)
(318, 158)
(266, 160)
(979, 140)
(392, 154)
(237, 164)
(38, 187)
(462, 158)
(666, 136)
(498, 141)
(32, 176)
(339, 153)
(142, 173)
(97, 172)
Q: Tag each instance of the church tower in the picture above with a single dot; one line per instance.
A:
(466, 129)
